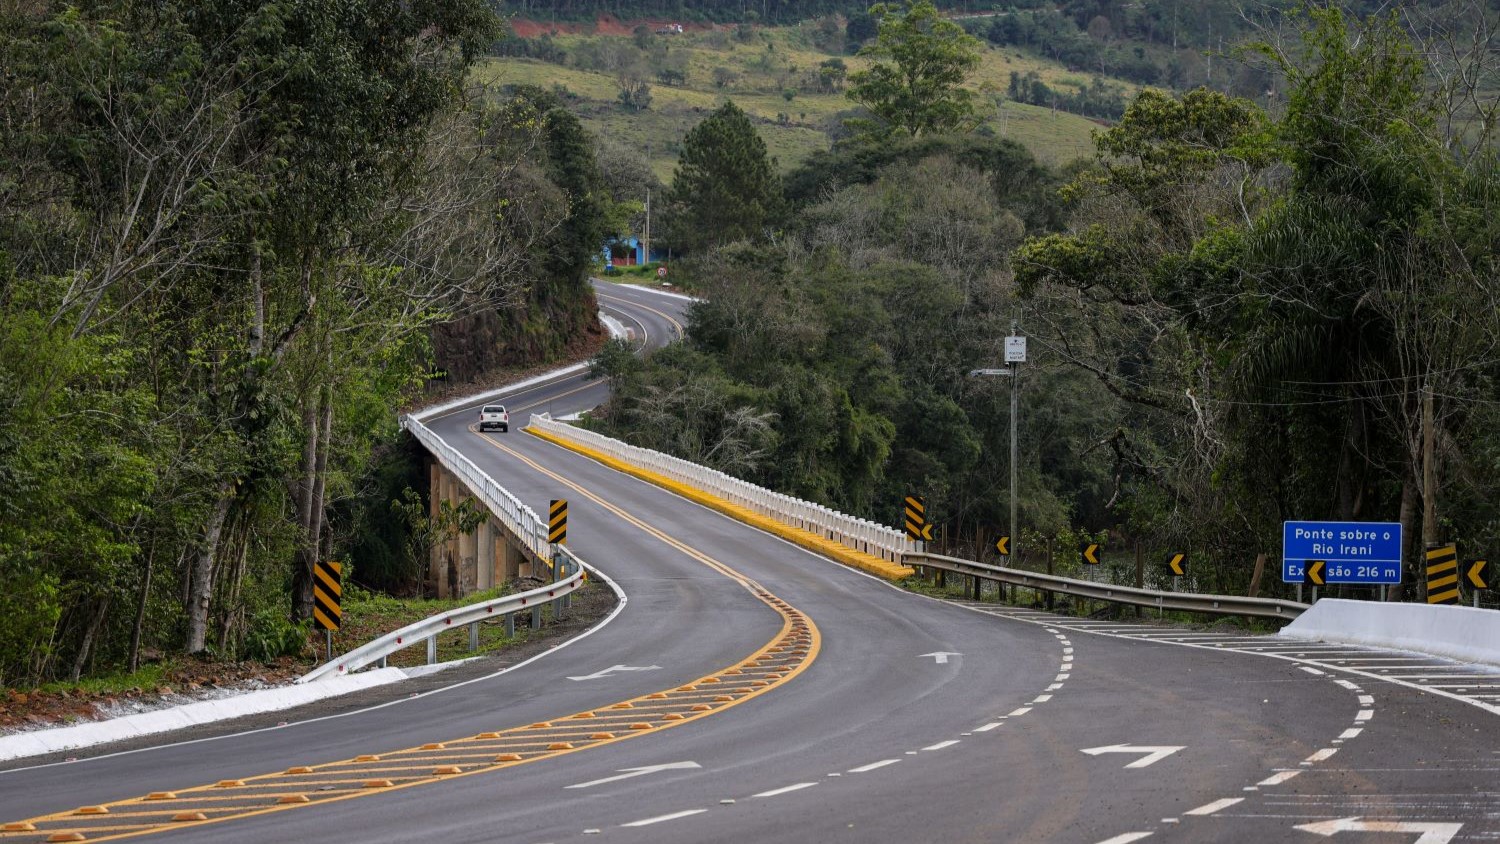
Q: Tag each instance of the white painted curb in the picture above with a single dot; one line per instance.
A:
(36, 743)
(1462, 633)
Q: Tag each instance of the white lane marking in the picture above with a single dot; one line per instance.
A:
(942, 744)
(1311, 670)
(1278, 779)
(873, 765)
(1364, 715)
(1351, 686)
(1210, 808)
(1432, 833)
(1067, 651)
(1352, 732)
(1366, 700)
(1022, 711)
(1152, 754)
(672, 817)
(627, 773)
(1126, 838)
(1041, 698)
(1321, 755)
(1054, 687)
(941, 657)
(1061, 677)
(613, 668)
(987, 727)
(786, 789)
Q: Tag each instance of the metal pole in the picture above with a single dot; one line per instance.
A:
(1015, 538)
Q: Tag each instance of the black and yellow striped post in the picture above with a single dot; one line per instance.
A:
(328, 590)
(1442, 574)
(557, 522)
(918, 529)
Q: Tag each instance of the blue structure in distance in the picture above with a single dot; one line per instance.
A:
(1354, 552)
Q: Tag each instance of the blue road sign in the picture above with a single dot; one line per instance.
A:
(1354, 552)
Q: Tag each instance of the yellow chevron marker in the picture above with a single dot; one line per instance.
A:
(1475, 574)
(917, 526)
(1442, 575)
(1178, 564)
(1003, 545)
(1091, 554)
(1313, 572)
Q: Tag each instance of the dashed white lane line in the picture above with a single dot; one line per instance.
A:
(987, 727)
(1364, 715)
(659, 818)
(786, 789)
(1054, 687)
(873, 765)
(1061, 677)
(1210, 808)
(1041, 698)
(1278, 779)
(1022, 711)
(1352, 732)
(1321, 755)
(1309, 669)
(942, 744)
(1348, 684)
(1366, 700)
(1126, 838)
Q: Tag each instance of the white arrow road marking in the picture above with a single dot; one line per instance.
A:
(627, 773)
(613, 668)
(941, 656)
(1153, 754)
(1432, 833)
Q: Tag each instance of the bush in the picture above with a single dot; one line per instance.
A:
(272, 636)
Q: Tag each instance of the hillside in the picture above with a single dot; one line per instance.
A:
(780, 76)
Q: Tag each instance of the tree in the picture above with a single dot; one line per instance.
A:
(919, 93)
(725, 187)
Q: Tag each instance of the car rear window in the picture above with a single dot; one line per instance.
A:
(493, 408)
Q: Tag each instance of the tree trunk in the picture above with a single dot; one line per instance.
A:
(307, 511)
(1408, 517)
(140, 611)
(86, 648)
(201, 576)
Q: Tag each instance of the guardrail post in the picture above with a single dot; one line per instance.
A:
(510, 625)
(536, 617)
(473, 636)
(432, 649)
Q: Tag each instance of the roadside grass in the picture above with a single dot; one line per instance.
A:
(762, 70)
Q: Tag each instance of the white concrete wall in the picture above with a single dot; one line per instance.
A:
(1464, 633)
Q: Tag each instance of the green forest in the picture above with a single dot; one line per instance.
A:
(1237, 315)
(237, 237)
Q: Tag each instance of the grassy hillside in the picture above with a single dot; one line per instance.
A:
(771, 74)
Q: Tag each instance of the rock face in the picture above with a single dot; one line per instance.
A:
(547, 327)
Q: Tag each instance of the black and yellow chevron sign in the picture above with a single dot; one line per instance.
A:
(327, 591)
(1475, 574)
(1442, 575)
(1312, 572)
(1091, 554)
(917, 527)
(557, 522)
(1003, 545)
(1178, 564)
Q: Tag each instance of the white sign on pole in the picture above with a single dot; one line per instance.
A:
(1015, 350)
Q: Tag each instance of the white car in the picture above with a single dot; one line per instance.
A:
(494, 416)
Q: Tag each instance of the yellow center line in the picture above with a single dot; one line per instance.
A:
(794, 647)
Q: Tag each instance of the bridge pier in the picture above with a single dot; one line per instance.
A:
(475, 561)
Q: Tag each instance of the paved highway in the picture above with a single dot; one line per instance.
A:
(776, 696)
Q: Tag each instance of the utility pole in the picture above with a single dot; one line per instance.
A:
(1429, 474)
(646, 258)
(1015, 538)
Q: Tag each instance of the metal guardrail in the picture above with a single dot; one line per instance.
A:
(521, 521)
(850, 531)
(1187, 601)
(568, 577)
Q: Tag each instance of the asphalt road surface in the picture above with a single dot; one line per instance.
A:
(777, 696)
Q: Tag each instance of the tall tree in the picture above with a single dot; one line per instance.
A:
(725, 187)
(919, 91)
